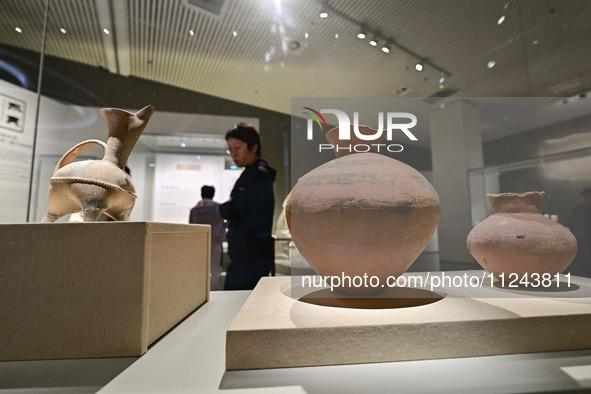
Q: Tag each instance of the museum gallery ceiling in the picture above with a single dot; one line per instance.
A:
(264, 52)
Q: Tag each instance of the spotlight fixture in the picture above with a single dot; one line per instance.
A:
(192, 32)
(386, 43)
(491, 64)
(323, 15)
(63, 30)
(18, 29)
(106, 31)
(501, 20)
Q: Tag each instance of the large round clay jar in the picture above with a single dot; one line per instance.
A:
(362, 214)
(517, 241)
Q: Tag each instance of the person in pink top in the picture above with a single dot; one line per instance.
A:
(207, 211)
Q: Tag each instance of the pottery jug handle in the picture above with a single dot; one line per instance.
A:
(76, 151)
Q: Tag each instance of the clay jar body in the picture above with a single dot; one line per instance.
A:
(517, 240)
(362, 214)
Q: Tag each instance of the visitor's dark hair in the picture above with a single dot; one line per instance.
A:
(207, 191)
(247, 133)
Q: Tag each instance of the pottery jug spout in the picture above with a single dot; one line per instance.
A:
(125, 129)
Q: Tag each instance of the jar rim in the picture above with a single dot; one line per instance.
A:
(529, 202)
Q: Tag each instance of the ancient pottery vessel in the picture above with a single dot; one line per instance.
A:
(362, 214)
(98, 186)
(518, 241)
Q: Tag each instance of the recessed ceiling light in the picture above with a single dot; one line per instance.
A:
(501, 20)
(373, 42)
(385, 49)
(106, 31)
(18, 29)
(536, 42)
(361, 35)
(306, 35)
(64, 31)
(183, 145)
(235, 33)
(491, 64)
(192, 32)
(336, 35)
(419, 67)
(324, 15)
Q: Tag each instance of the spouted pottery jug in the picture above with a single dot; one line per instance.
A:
(98, 186)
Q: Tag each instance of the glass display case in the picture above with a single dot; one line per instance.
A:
(521, 68)
(561, 176)
(206, 65)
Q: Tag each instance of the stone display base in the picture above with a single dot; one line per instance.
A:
(104, 289)
(273, 330)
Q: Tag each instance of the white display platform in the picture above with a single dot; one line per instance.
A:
(275, 330)
(97, 289)
(190, 359)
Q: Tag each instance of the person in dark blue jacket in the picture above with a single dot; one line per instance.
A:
(249, 211)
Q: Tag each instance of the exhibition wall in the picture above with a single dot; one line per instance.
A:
(178, 181)
(179, 114)
(64, 125)
(16, 147)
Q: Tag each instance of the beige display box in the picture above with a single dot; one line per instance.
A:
(274, 330)
(104, 289)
